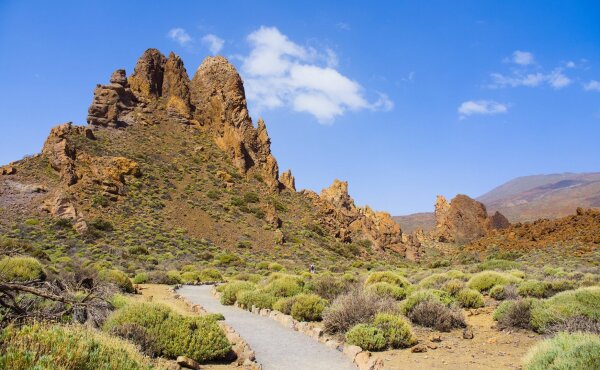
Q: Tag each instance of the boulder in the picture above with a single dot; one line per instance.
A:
(187, 362)
(8, 170)
(61, 152)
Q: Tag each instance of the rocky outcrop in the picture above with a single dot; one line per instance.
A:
(463, 220)
(8, 170)
(217, 93)
(61, 152)
(63, 206)
(148, 74)
(112, 103)
(110, 173)
(176, 86)
(287, 180)
(350, 223)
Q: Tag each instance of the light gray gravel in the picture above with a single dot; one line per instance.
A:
(276, 347)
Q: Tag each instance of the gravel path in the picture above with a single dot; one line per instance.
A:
(276, 347)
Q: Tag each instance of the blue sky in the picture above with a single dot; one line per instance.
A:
(405, 100)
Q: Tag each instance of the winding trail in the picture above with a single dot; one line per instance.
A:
(276, 347)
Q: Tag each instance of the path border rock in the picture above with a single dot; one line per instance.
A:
(363, 359)
(245, 356)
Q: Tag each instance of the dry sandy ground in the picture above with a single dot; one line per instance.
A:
(489, 349)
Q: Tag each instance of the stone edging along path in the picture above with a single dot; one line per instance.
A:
(364, 360)
(244, 354)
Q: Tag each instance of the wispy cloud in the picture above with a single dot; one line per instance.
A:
(482, 107)
(281, 73)
(523, 58)
(343, 26)
(213, 43)
(593, 85)
(180, 36)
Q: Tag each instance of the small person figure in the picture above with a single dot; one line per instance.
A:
(312, 268)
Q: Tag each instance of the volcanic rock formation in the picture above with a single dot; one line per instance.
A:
(464, 219)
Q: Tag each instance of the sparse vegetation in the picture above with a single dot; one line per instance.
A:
(576, 351)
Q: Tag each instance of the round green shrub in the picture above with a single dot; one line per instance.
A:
(534, 288)
(274, 266)
(470, 298)
(453, 286)
(283, 287)
(249, 298)
(497, 292)
(231, 290)
(434, 281)
(21, 269)
(387, 277)
(384, 289)
(396, 330)
(174, 277)
(485, 280)
(197, 337)
(498, 264)
(141, 278)
(308, 307)
(210, 275)
(118, 278)
(189, 277)
(368, 337)
(424, 295)
(284, 305)
(566, 305)
(576, 351)
(41, 346)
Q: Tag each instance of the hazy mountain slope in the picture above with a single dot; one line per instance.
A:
(423, 220)
(544, 196)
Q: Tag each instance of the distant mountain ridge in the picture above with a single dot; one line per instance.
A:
(529, 198)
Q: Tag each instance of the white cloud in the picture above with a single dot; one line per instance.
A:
(570, 64)
(213, 43)
(343, 26)
(278, 73)
(593, 85)
(556, 79)
(180, 36)
(485, 107)
(522, 58)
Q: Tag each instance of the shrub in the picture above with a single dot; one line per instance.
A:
(251, 197)
(174, 277)
(308, 307)
(457, 274)
(501, 292)
(138, 335)
(327, 286)
(515, 314)
(21, 269)
(576, 324)
(387, 277)
(274, 266)
(396, 330)
(485, 280)
(577, 351)
(118, 278)
(367, 337)
(424, 295)
(434, 281)
(40, 346)
(353, 308)
(565, 305)
(197, 337)
(101, 224)
(534, 288)
(249, 298)
(283, 287)
(498, 264)
(210, 275)
(231, 290)
(141, 278)
(387, 290)
(470, 298)
(189, 277)
(434, 314)
(453, 286)
(284, 305)
(253, 278)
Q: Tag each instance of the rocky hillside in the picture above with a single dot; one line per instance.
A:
(171, 171)
(544, 196)
(580, 231)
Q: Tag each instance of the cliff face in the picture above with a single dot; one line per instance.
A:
(464, 219)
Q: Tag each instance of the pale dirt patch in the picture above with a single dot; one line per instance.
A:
(489, 349)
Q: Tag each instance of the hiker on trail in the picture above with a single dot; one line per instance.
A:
(312, 268)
